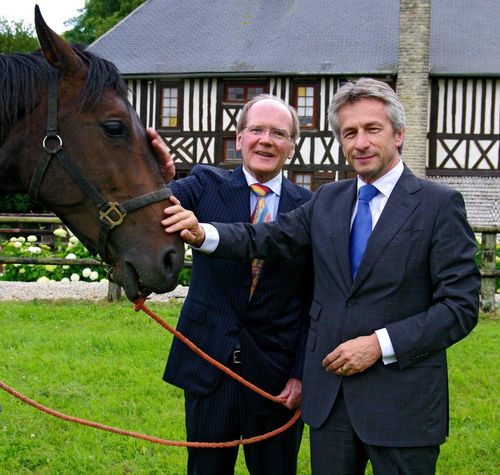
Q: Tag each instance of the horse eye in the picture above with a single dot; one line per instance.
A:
(114, 128)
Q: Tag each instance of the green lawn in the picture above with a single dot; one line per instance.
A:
(104, 362)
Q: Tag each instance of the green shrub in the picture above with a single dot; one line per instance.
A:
(62, 247)
(16, 203)
(185, 275)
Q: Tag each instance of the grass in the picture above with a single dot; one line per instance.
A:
(104, 363)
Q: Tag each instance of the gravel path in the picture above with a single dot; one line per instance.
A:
(71, 290)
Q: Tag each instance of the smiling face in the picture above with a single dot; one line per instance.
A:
(368, 139)
(263, 155)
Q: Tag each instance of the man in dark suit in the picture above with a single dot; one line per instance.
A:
(262, 336)
(383, 312)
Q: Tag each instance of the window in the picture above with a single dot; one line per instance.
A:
(305, 103)
(303, 179)
(230, 152)
(170, 107)
(243, 92)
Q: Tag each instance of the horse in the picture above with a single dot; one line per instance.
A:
(70, 138)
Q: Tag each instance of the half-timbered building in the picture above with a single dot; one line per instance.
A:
(191, 65)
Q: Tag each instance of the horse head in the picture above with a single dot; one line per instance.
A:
(71, 138)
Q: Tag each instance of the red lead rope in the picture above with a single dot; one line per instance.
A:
(139, 305)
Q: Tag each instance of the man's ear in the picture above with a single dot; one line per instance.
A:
(399, 137)
(292, 151)
(238, 140)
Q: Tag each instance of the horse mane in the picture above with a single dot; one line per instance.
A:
(22, 75)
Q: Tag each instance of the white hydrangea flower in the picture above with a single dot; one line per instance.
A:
(50, 268)
(31, 238)
(65, 266)
(94, 275)
(22, 270)
(60, 232)
(73, 240)
(65, 279)
(104, 280)
(71, 256)
(18, 244)
(21, 239)
(43, 279)
(34, 250)
(86, 272)
(13, 239)
(74, 278)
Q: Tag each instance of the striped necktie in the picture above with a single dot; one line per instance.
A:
(361, 227)
(260, 214)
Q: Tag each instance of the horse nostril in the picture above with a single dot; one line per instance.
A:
(172, 263)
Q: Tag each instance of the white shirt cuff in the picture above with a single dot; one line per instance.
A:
(388, 354)
(211, 239)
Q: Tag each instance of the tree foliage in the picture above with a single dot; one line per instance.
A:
(97, 17)
(16, 37)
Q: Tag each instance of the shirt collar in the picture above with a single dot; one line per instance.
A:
(386, 183)
(274, 183)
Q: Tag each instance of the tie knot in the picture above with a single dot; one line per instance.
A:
(260, 190)
(367, 192)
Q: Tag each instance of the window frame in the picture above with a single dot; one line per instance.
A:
(225, 158)
(245, 86)
(180, 104)
(315, 86)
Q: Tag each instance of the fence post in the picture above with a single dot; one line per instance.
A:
(114, 292)
(488, 268)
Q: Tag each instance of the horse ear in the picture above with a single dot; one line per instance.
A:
(56, 51)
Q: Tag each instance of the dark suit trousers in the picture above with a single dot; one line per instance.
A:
(223, 416)
(337, 450)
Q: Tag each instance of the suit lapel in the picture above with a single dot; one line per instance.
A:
(340, 215)
(399, 206)
(235, 194)
(290, 197)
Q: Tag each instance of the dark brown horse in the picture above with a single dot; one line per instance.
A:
(71, 139)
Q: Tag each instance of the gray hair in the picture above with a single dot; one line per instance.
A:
(363, 88)
(242, 120)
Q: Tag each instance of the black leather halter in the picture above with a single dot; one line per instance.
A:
(111, 213)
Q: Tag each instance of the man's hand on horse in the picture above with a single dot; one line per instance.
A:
(184, 222)
(162, 155)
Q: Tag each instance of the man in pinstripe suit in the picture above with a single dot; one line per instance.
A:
(262, 337)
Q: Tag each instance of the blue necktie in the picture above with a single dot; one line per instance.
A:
(361, 227)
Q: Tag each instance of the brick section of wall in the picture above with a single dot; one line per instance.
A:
(481, 195)
(413, 79)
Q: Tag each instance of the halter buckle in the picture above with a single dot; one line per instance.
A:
(112, 221)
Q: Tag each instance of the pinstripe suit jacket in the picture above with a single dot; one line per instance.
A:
(217, 314)
(418, 279)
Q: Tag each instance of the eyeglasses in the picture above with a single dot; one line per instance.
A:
(276, 134)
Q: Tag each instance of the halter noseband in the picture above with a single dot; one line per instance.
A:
(111, 213)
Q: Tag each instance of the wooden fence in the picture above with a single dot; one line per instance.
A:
(489, 272)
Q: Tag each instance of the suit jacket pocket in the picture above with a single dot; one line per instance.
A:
(409, 235)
